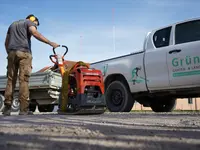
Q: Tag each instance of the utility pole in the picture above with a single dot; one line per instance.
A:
(80, 42)
(113, 20)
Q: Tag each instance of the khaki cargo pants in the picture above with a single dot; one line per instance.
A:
(22, 62)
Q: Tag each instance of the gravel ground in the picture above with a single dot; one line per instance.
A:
(119, 131)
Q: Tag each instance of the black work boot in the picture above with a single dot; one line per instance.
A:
(7, 110)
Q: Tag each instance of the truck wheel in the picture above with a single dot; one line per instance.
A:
(165, 105)
(46, 108)
(118, 97)
(1, 102)
(16, 104)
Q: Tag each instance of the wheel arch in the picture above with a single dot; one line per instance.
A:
(115, 77)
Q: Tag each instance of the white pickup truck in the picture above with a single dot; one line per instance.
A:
(167, 68)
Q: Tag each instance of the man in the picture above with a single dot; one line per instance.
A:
(18, 47)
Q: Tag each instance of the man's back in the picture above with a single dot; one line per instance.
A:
(20, 36)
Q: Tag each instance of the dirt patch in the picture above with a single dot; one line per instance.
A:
(108, 131)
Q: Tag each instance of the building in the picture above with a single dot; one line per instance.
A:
(182, 104)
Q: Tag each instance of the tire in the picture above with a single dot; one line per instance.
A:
(46, 108)
(16, 104)
(2, 98)
(118, 97)
(32, 107)
(165, 105)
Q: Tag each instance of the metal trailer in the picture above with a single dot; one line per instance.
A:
(44, 91)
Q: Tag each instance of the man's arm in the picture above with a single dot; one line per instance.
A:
(40, 37)
(6, 42)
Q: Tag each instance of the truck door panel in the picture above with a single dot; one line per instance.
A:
(184, 59)
(156, 59)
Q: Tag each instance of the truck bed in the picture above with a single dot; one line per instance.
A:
(105, 60)
(126, 66)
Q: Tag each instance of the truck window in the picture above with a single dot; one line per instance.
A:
(161, 37)
(187, 32)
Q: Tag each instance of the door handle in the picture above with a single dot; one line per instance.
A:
(175, 51)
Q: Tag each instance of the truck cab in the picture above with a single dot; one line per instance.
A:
(172, 57)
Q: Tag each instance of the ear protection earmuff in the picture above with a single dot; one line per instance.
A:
(32, 18)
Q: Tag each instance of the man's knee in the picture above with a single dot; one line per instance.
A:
(25, 68)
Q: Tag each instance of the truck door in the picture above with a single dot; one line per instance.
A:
(184, 57)
(157, 47)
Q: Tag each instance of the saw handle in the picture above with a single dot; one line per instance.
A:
(65, 50)
(56, 58)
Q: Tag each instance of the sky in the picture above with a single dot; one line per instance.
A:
(86, 26)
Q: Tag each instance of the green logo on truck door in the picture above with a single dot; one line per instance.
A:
(105, 69)
(190, 65)
(135, 77)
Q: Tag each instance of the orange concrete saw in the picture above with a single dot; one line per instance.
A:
(82, 90)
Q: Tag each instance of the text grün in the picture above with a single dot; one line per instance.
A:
(188, 60)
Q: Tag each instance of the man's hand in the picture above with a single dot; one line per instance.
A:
(54, 45)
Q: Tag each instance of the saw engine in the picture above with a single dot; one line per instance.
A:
(82, 89)
(85, 90)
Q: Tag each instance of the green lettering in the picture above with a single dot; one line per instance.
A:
(196, 60)
(188, 60)
(181, 62)
(175, 62)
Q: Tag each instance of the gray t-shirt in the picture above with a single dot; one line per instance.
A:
(20, 37)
